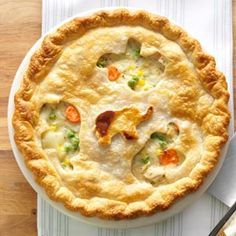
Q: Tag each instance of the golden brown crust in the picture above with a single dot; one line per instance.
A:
(214, 122)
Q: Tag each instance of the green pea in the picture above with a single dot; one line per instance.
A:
(68, 147)
(163, 144)
(145, 159)
(161, 138)
(135, 78)
(52, 115)
(102, 63)
(75, 143)
(136, 53)
(70, 133)
(133, 82)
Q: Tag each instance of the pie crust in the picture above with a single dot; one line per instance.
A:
(100, 181)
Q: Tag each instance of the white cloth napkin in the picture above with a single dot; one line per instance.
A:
(210, 21)
(224, 186)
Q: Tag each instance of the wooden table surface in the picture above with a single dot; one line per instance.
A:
(20, 27)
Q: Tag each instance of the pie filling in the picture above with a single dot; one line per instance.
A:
(159, 157)
(139, 73)
(59, 132)
(158, 154)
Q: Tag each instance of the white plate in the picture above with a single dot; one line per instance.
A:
(141, 221)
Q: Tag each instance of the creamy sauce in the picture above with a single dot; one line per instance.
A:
(59, 137)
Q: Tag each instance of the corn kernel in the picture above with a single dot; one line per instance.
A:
(61, 153)
(141, 82)
(158, 152)
(147, 87)
(131, 67)
(53, 127)
(140, 73)
(66, 162)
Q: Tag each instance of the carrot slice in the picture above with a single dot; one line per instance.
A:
(169, 156)
(72, 114)
(113, 73)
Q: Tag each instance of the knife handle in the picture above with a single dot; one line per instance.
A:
(222, 222)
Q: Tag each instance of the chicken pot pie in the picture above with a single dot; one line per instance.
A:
(120, 114)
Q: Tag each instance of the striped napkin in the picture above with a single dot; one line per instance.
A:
(210, 21)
